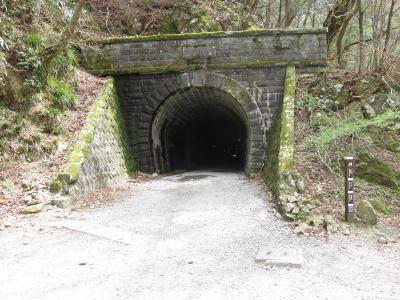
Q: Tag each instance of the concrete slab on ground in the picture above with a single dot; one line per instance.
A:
(280, 257)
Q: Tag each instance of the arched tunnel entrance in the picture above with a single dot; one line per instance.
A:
(200, 128)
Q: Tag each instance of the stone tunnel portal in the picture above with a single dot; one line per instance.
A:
(200, 128)
(212, 98)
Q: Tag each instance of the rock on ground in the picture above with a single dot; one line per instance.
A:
(366, 212)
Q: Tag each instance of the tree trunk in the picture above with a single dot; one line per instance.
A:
(268, 14)
(68, 34)
(36, 13)
(375, 33)
(339, 50)
(336, 17)
(287, 13)
(280, 14)
(251, 5)
(290, 15)
(308, 13)
(313, 15)
(361, 38)
(387, 36)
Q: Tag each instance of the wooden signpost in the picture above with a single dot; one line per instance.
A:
(349, 188)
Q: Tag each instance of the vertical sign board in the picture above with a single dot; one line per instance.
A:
(349, 188)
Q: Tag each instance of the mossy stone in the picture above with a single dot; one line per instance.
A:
(96, 58)
(390, 141)
(106, 106)
(376, 171)
(361, 86)
(197, 35)
(71, 172)
(33, 209)
(319, 118)
(392, 144)
(385, 138)
(56, 186)
(286, 151)
(381, 103)
(331, 96)
(279, 160)
(366, 212)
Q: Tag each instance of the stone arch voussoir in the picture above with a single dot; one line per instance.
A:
(255, 120)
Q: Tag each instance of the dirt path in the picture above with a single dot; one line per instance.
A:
(188, 236)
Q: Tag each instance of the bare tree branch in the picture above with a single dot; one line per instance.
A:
(68, 34)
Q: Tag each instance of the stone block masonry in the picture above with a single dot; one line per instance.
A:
(141, 95)
(101, 154)
(280, 154)
(244, 72)
(209, 50)
(279, 173)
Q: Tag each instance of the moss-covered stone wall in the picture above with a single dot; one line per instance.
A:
(279, 159)
(101, 154)
(214, 34)
(257, 93)
(147, 70)
(207, 51)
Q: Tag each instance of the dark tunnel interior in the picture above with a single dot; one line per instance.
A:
(211, 141)
(206, 131)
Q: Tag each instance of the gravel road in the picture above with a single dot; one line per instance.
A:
(187, 236)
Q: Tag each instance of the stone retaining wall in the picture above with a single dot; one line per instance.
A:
(101, 155)
(279, 161)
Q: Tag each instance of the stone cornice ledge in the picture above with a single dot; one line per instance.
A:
(193, 67)
(215, 34)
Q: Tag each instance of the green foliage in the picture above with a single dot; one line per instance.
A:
(51, 119)
(34, 40)
(18, 8)
(61, 65)
(350, 126)
(62, 97)
(56, 186)
(203, 22)
(338, 133)
(11, 126)
(379, 205)
(29, 58)
(7, 186)
(308, 102)
(167, 23)
(62, 94)
(234, 18)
